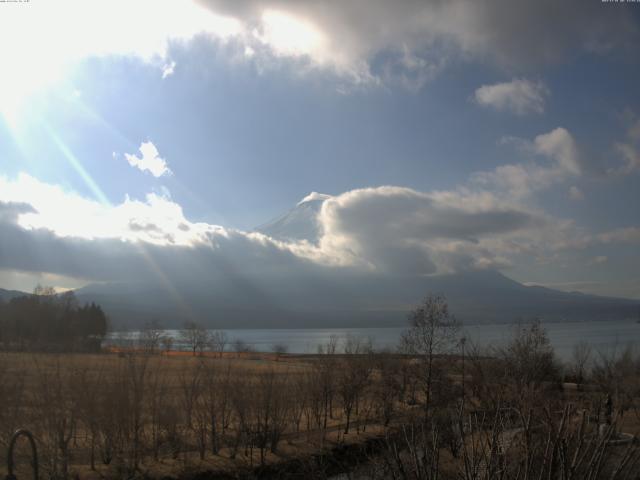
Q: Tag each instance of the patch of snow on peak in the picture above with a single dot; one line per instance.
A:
(314, 196)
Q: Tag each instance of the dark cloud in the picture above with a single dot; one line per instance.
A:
(516, 35)
(399, 229)
(9, 211)
(136, 226)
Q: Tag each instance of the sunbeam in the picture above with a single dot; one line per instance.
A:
(77, 166)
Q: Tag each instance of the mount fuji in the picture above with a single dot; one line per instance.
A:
(326, 297)
(299, 223)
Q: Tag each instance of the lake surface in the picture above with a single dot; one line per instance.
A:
(603, 336)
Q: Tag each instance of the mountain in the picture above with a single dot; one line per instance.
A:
(322, 297)
(349, 300)
(299, 223)
(6, 295)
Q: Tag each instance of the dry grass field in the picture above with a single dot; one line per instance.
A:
(131, 414)
(107, 415)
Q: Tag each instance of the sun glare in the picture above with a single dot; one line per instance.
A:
(40, 41)
(289, 35)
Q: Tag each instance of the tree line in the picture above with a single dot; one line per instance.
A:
(47, 321)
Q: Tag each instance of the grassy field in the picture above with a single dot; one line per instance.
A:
(125, 414)
(157, 413)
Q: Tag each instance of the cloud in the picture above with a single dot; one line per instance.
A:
(568, 159)
(560, 146)
(514, 35)
(345, 38)
(628, 150)
(10, 211)
(63, 233)
(168, 69)
(35, 205)
(364, 233)
(395, 229)
(519, 180)
(519, 96)
(629, 235)
(149, 160)
(384, 230)
(54, 36)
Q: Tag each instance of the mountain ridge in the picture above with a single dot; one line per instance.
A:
(330, 297)
(6, 295)
(359, 301)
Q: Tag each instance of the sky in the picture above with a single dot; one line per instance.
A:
(444, 137)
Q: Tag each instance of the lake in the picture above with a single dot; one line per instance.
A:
(603, 336)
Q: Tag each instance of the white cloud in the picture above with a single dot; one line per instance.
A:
(631, 156)
(628, 150)
(560, 146)
(395, 229)
(168, 69)
(291, 36)
(522, 179)
(149, 160)
(156, 220)
(519, 96)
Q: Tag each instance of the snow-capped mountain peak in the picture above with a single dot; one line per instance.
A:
(313, 197)
(299, 223)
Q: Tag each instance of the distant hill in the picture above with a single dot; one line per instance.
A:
(324, 297)
(351, 300)
(6, 295)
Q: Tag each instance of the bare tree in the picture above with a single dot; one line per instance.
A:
(580, 358)
(432, 331)
(299, 393)
(218, 340)
(12, 393)
(167, 343)
(194, 336)
(529, 364)
(150, 336)
(323, 382)
(88, 388)
(57, 412)
(241, 400)
(353, 375)
(158, 391)
(135, 376)
(387, 387)
(215, 395)
(44, 291)
(616, 372)
(240, 346)
(330, 347)
(279, 349)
